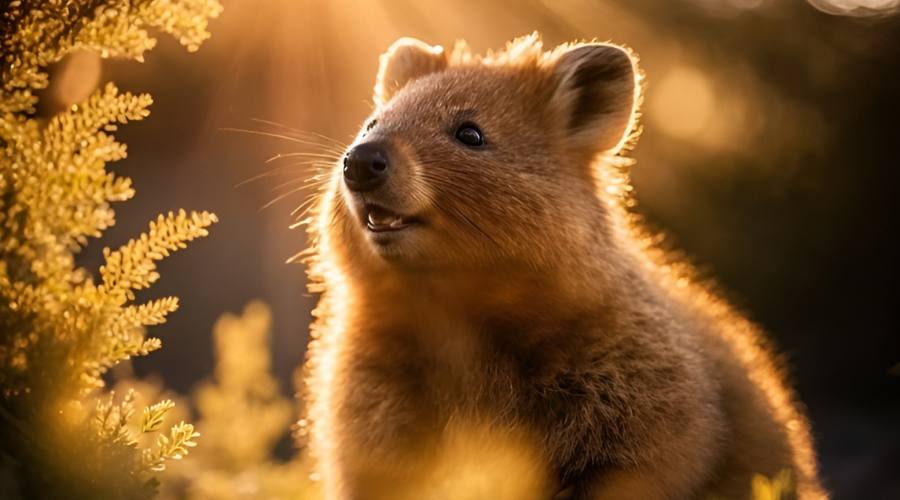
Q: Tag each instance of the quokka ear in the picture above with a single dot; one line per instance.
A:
(406, 60)
(596, 95)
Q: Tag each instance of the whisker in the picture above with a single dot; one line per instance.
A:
(308, 204)
(273, 172)
(286, 169)
(275, 136)
(305, 207)
(298, 131)
(310, 182)
(478, 228)
(281, 197)
(304, 154)
(468, 222)
(337, 153)
(453, 191)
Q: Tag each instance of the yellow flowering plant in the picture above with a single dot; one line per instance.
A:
(243, 416)
(64, 434)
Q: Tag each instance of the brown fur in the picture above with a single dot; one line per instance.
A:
(527, 311)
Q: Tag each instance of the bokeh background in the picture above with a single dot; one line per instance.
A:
(769, 157)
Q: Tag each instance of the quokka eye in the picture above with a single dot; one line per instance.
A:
(469, 134)
(371, 125)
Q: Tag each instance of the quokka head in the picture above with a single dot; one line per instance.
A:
(477, 162)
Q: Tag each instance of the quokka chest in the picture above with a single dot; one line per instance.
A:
(407, 384)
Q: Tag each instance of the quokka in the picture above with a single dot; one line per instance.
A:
(493, 322)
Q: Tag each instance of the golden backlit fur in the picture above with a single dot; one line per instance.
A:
(525, 339)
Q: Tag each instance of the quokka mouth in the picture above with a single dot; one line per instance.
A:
(381, 220)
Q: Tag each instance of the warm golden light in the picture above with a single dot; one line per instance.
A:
(333, 316)
(475, 461)
(78, 78)
(766, 130)
(857, 8)
(682, 104)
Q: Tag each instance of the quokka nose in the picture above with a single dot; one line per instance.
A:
(365, 167)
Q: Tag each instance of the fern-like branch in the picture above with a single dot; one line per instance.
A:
(172, 447)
